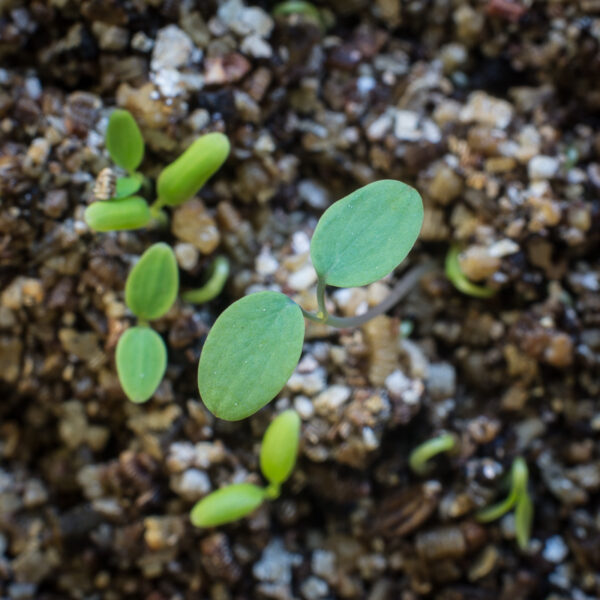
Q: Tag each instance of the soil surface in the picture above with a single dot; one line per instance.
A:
(491, 109)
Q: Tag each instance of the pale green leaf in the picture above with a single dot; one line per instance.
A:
(227, 504)
(366, 235)
(523, 520)
(141, 359)
(119, 214)
(127, 186)
(249, 354)
(153, 283)
(184, 177)
(280, 447)
(124, 140)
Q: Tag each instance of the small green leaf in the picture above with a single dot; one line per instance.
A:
(153, 283)
(280, 447)
(141, 359)
(184, 177)
(124, 140)
(419, 457)
(523, 520)
(117, 215)
(249, 354)
(366, 235)
(227, 504)
(127, 186)
(459, 279)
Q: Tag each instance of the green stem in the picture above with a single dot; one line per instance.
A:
(213, 287)
(427, 450)
(401, 289)
(322, 314)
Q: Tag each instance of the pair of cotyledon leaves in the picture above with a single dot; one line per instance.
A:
(150, 290)
(177, 182)
(277, 459)
(256, 343)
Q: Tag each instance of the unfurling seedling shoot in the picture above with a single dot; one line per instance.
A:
(150, 291)
(518, 498)
(420, 456)
(278, 453)
(256, 343)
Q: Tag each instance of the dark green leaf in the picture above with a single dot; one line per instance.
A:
(184, 177)
(280, 447)
(153, 283)
(249, 354)
(127, 186)
(124, 140)
(227, 504)
(141, 359)
(117, 215)
(366, 235)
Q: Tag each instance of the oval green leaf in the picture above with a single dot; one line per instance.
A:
(153, 283)
(124, 140)
(117, 215)
(366, 235)
(280, 447)
(227, 504)
(141, 359)
(127, 186)
(184, 177)
(249, 354)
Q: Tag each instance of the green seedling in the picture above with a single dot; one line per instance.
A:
(302, 8)
(419, 457)
(177, 182)
(213, 287)
(141, 354)
(518, 498)
(278, 453)
(459, 279)
(256, 343)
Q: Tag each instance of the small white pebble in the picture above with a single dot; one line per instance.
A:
(303, 278)
(555, 549)
(304, 407)
(543, 167)
(187, 255)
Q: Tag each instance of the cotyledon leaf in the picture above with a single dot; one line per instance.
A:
(127, 186)
(153, 283)
(227, 504)
(124, 140)
(366, 235)
(141, 359)
(249, 354)
(118, 214)
(280, 447)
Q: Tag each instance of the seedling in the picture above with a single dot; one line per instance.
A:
(255, 344)
(177, 182)
(518, 498)
(277, 459)
(150, 291)
(213, 287)
(305, 9)
(420, 456)
(458, 278)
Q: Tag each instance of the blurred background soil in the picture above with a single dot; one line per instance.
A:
(491, 109)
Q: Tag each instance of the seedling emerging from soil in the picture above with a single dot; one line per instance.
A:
(459, 279)
(177, 182)
(150, 291)
(277, 459)
(213, 287)
(255, 344)
(518, 498)
(420, 456)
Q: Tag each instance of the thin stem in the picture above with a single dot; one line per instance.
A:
(213, 287)
(427, 450)
(321, 299)
(403, 287)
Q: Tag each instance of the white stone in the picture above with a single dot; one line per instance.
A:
(406, 126)
(173, 49)
(265, 263)
(543, 167)
(487, 110)
(187, 255)
(304, 407)
(303, 278)
(332, 398)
